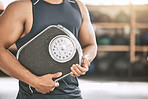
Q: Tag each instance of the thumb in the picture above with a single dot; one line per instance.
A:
(56, 75)
(85, 63)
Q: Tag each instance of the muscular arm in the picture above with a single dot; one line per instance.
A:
(12, 24)
(87, 35)
(87, 41)
(11, 27)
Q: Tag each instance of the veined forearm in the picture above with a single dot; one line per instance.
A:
(11, 66)
(89, 52)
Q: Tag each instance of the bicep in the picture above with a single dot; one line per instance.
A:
(86, 34)
(11, 26)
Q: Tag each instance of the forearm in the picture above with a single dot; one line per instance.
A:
(11, 66)
(89, 52)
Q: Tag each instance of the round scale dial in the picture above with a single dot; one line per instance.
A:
(62, 48)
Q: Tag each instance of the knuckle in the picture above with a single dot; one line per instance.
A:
(87, 69)
(77, 75)
(83, 70)
(52, 86)
(38, 91)
(52, 89)
(72, 74)
(55, 85)
(48, 91)
(71, 68)
(88, 62)
(79, 66)
(43, 92)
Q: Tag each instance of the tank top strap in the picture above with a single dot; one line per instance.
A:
(34, 2)
(75, 4)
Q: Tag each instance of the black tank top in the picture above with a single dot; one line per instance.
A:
(66, 14)
(45, 14)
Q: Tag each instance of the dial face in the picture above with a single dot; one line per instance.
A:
(62, 48)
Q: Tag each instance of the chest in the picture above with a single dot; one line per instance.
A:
(43, 15)
(67, 15)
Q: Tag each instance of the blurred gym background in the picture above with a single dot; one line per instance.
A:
(120, 70)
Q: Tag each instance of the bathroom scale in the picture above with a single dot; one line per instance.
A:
(53, 50)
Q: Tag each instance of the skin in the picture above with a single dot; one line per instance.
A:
(87, 41)
(16, 22)
(1, 7)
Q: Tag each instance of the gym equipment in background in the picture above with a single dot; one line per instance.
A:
(103, 66)
(113, 64)
(104, 40)
(121, 67)
(103, 18)
(119, 38)
(144, 36)
(120, 64)
(122, 17)
(138, 39)
(53, 50)
(104, 63)
(139, 68)
(141, 16)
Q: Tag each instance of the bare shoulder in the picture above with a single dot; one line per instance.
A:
(83, 8)
(19, 3)
(19, 10)
(80, 3)
(18, 6)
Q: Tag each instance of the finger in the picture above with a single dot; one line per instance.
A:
(47, 90)
(71, 73)
(56, 75)
(41, 91)
(77, 69)
(83, 73)
(85, 62)
(82, 69)
(74, 72)
(52, 89)
(57, 84)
